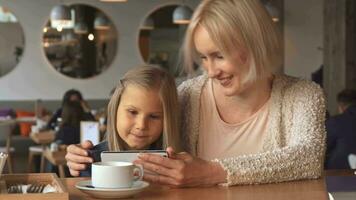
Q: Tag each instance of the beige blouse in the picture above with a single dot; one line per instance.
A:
(294, 143)
(218, 139)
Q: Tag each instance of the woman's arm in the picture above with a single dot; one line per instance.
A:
(181, 170)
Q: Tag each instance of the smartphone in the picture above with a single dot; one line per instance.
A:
(128, 156)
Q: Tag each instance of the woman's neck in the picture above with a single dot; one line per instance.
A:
(235, 109)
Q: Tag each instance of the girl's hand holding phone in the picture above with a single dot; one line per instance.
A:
(77, 157)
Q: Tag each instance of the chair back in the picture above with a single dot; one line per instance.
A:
(6, 128)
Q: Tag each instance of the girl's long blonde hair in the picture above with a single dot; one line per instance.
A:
(148, 77)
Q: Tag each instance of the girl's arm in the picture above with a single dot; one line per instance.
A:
(78, 157)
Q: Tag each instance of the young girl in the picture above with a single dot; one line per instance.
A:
(142, 114)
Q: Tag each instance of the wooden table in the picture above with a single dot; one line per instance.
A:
(309, 189)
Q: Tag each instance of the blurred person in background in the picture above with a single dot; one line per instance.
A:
(69, 129)
(341, 132)
(70, 96)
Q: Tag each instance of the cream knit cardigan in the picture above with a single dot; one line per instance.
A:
(294, 146)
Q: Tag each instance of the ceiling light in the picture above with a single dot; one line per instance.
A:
(273, 11)
(148, 24)
(182, 15)
(61, 15)
(91, 37)
(59, 28)
(81, 28)
(101, 23)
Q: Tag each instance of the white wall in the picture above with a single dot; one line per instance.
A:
(34, 78)
(303, 33)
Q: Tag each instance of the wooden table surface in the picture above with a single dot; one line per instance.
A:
(308, 189)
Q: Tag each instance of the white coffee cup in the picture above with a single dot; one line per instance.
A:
(115, 174)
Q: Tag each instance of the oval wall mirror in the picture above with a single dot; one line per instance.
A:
(81, 45)
(160, 39)
(12, 41)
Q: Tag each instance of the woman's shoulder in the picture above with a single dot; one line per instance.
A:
(192, 84)
(293, 86)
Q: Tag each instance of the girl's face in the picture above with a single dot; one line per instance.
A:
(139, 117)
(226, 73)
(74, 97)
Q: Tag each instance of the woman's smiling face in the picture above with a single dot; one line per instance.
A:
(227, 73)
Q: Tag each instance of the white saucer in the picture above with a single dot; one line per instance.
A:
(86, 187)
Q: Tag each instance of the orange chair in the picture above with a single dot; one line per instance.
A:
(25, 127)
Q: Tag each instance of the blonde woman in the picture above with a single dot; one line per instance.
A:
(142, 114)
(242, 123)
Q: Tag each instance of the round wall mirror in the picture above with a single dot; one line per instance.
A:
(160, 39)
(12, 41)
(79, 41)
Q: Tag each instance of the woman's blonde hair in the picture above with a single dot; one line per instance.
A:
(237, 25)
(150, 78)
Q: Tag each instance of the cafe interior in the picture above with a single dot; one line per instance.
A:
(49, 48)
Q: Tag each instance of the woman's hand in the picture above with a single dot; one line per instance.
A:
(181, 170)
(77, 157)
